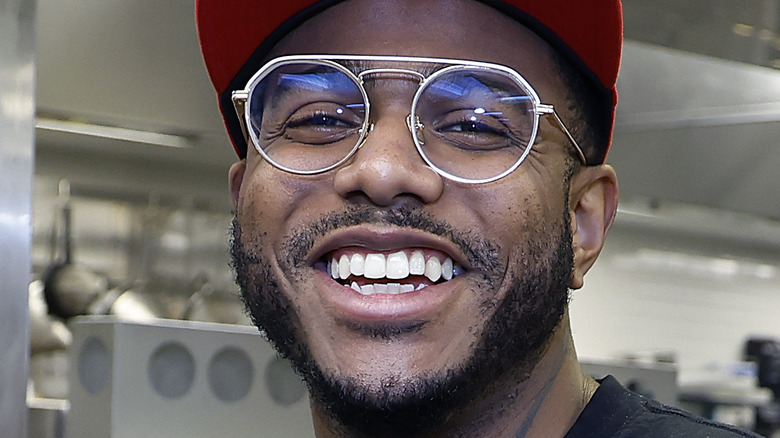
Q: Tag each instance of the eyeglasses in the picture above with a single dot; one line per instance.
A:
(471, 122)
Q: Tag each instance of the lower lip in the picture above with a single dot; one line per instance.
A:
(410, 306)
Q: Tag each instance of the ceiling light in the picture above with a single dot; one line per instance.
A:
(743, 29)
(113, 132)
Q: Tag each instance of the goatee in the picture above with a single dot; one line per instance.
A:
(512, 338)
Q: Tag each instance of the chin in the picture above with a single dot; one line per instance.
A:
(510, 340)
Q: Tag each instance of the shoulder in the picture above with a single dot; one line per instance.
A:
(668, 421)
(617, 412)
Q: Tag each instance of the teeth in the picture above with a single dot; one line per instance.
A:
(396, 266)
(357, 264)
(334, 269)
(376, 266)
(344, 267)
(389, 288)
(417, 263)
(446, 269)
(433, 269)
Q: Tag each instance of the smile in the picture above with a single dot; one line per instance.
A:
(402, 271)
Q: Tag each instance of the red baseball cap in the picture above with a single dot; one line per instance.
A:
(236, 35)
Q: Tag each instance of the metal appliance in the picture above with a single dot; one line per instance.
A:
(168, 378)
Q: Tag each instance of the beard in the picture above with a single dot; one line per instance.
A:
(512, 339)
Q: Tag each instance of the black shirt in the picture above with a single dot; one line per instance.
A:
(615, 412)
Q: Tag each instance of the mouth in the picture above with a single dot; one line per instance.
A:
(389, 275)
(389, 272)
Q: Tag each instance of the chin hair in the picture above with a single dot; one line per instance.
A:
(511, 340)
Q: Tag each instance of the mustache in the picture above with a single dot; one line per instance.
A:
(481, 253)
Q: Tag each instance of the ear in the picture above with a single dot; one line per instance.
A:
(593, 203)
(235, 178)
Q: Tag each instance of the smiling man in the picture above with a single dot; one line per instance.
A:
(420, 185)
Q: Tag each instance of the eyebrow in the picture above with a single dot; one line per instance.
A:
(309, 77)
(355, 66)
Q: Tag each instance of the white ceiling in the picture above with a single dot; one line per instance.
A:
(690, 128)
(699, 130)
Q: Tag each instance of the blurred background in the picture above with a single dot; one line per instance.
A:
(130, 181)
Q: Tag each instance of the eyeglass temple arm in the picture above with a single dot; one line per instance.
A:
(239, 104)
(545, 109)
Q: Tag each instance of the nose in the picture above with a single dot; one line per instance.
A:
(388, 170)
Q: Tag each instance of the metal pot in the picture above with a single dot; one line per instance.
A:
(69, 288)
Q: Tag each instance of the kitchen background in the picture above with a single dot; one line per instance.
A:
(691, 270)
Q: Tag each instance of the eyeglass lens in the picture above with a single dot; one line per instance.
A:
(468, 122)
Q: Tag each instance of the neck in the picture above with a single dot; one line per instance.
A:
(542, 404)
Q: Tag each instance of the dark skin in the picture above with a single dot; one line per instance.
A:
(544, 393)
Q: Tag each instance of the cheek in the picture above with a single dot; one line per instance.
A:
(507, 210)
(257, 198)
(515, 215)
(270, 197)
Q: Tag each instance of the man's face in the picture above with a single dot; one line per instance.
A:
(509, 240)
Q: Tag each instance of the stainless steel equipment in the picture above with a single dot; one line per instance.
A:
(17, 106)
(172, 378)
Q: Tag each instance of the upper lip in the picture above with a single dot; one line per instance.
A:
(382, 238)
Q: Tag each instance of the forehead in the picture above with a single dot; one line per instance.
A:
(458, 29)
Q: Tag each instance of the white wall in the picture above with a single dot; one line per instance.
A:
(700, 296)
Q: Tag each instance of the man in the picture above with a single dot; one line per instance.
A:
(408, 229)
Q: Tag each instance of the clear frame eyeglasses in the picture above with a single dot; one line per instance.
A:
(472, 122)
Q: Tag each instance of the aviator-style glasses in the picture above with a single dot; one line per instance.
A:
(471, 122)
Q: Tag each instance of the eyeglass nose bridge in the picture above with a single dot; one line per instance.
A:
(416, 128)
(414, 124)
(400, 72)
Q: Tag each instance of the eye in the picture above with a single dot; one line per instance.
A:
(322, 115)
(472, 130)
(322, 123)
(472, 126)
(319, 118)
